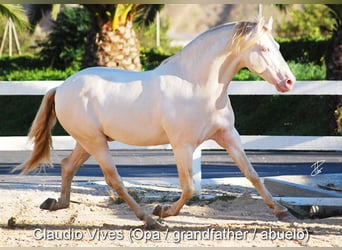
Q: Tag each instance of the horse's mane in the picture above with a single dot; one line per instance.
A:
(242, 29)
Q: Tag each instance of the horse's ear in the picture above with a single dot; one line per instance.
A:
(268, 24)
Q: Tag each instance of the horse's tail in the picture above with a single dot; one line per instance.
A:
(40, 133)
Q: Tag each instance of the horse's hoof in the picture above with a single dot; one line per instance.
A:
(285, 215)
(50, 204)
(12, 222)
(154, 226)
(157, 210)
(160, 211)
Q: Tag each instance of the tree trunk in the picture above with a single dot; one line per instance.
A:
(90, 57)
(334, 56)
(118, 48)
(333, 60)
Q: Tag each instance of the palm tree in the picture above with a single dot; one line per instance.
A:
(112, 41)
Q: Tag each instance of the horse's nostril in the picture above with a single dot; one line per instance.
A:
(289, 82)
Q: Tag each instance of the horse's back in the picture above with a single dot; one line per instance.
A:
(98, 81)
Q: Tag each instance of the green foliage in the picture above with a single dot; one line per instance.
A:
(151, 58)
(16, 12)
(304, 50)
(313, 21)
(8, 64)
(284, 115)
(246, 75)
(147, 35)
(34, 68)
(150, 55)
(38, 74)
(308, 71)
(26, 68)
(65, 44)
(17, 114)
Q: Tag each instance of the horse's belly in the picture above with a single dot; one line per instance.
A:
(135, 133)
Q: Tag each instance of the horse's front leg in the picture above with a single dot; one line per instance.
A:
(230, 140)
(183, 156)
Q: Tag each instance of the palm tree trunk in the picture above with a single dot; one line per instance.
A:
(118, 48)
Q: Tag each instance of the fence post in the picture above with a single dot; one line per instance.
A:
(196, 169)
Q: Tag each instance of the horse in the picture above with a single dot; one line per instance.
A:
(182, 102)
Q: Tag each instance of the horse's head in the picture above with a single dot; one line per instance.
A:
(262, 57)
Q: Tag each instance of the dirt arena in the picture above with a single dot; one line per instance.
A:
(226, 215)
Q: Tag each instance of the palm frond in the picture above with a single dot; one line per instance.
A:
(121, 14)
(16, 12)
(283, 7)
(146, 13)
(56, 8)
(336, 10)
(35, 13)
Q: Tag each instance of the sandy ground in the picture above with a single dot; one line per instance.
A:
(237, 218)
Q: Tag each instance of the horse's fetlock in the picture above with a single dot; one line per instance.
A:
(188, 192)
(118, 186)
(120, 190)
(253, 177)
(142, 216)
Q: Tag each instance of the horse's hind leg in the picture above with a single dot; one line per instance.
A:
(230, 140)
(100, 151)
(69, 166)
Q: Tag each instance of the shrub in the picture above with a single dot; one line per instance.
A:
(151, 58)
(312, 22)
(65, 44)
(284, 115)
(26, 68)
(304, 50)
(38, 74)
(8, 64)
(308, 71)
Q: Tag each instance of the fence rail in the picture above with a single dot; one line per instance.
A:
(316, 143)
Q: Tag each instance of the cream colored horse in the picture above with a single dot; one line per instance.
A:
(182, 102)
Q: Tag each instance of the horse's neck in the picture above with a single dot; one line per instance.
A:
(207, 59)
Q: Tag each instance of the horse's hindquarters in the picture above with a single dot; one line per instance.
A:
(122, 112)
